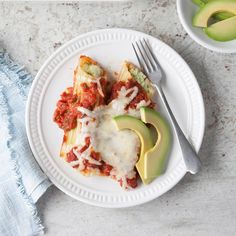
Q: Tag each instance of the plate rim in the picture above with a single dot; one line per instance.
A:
(180, 167)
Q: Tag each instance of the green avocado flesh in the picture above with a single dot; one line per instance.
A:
(217, 16)
(222, 15)
(155, 158)
(152, 160)
(223, 30)
(212, 7)
(200, 3)
(130, 122)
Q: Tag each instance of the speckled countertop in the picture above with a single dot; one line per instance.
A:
(199, 205)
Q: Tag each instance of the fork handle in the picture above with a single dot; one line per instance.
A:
(191, 159)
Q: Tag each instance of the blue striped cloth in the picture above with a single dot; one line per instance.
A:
(21, 180)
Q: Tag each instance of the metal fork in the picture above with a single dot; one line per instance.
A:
(153, 70)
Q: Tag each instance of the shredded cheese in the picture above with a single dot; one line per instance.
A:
(117, 148)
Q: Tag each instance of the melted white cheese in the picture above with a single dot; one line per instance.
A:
(117, 148)
(136, 112)
(99, 87)
(143, 103)
(86, 112)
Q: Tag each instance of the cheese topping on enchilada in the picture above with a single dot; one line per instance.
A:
(91, 143)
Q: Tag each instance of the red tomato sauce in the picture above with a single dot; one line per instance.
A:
(66, 112)
(70, 156)
(103, 168)
(133, 183)
(142, 94)
(90, 97)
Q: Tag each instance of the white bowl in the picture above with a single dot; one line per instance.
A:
(186, 10)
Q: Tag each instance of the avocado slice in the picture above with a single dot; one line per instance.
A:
(156, 157)
(217, 16)
(223, 30)
(223, 15)
(203, 15)
(200, 3)
(130, 122)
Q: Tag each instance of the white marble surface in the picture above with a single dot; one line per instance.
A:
(199, 205)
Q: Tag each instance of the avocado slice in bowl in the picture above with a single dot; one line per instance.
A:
(222, 31)
(218, 15)
(203, 15)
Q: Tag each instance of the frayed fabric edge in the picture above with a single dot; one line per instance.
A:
(11, 68)
(16, 73)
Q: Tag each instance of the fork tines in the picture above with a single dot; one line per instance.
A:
(145, 56)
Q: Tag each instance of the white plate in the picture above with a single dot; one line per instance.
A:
(186, 11)
(110, 47)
